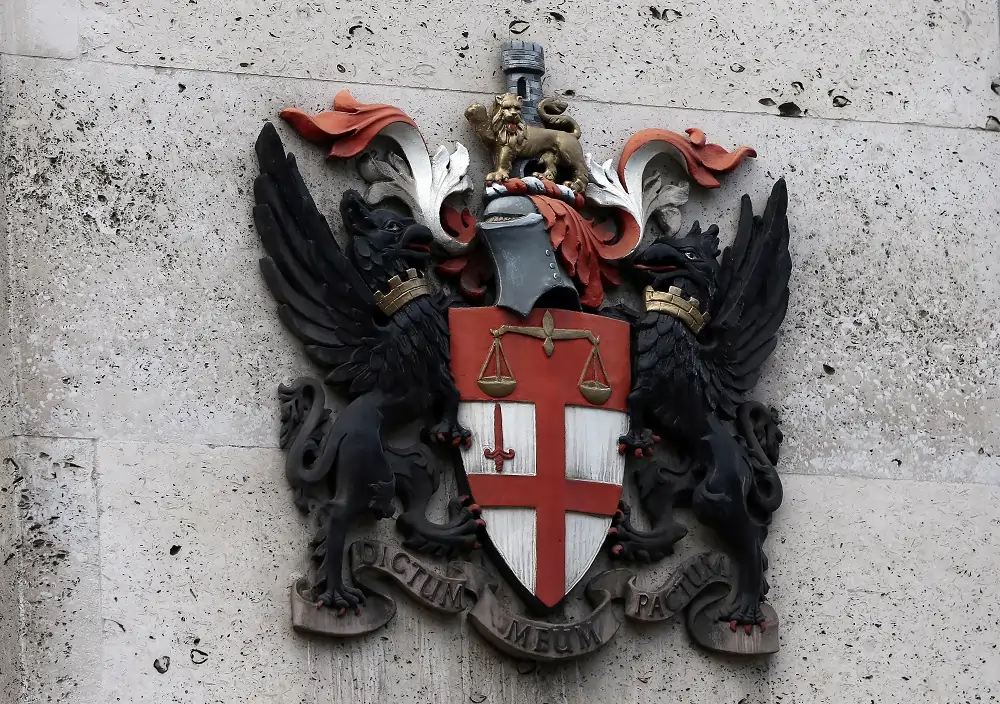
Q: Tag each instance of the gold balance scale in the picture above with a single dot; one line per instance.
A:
(593, 384)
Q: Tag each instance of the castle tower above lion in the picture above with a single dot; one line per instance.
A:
(524, 65)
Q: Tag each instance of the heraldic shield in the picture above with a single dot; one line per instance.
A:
(545, 399)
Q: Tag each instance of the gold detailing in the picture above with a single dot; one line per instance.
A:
(593, 389)
(402, 292)
(671, 303)
(502, 382)
(556, 146)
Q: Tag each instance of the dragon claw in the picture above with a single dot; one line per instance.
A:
(747, 614)
(632, 544)
(449, 433)
(341, 598)
(454, 538)
(638, 443)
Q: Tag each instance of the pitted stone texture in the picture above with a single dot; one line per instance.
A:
(887, 592)
(139, 308)
(47, 28)
(238, 543)
(54, 561)
(11, 544)
(197, 550)
(929, 61)
(145, 306)
(140, 313)
(7, 367)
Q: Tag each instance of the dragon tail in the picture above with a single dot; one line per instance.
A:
(305, 427)
(758, 427)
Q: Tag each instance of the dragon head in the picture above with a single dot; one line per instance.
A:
(382, 242)
(688, 262)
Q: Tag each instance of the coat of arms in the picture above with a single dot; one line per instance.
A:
(494, 336)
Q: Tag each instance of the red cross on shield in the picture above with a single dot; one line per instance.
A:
(545, 400)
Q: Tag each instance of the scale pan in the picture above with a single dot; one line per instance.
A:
(594, 391)
(500, 386)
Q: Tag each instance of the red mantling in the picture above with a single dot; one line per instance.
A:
(581, 245)
(703, 161)
(349, 128)
(473, 270)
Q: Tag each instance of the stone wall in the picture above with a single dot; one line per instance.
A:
(144, 511)
(10, 579)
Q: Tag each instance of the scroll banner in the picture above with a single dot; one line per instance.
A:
(701, 586)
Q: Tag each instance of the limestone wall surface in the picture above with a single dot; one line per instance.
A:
(144, 510)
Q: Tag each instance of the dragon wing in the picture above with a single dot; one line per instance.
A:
(751, 301)
(322, 298)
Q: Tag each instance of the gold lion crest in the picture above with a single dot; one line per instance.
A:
(556, 146)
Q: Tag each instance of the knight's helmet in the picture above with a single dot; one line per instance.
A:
(524, 65)
(528, 271)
